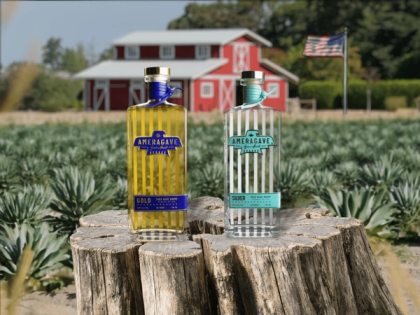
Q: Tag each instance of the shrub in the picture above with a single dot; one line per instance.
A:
(325, 92)
(383, 89)
(357, 94)
(329, 93)
(395, 102)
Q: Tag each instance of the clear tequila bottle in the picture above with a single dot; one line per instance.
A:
(157, 163)
(252, 163)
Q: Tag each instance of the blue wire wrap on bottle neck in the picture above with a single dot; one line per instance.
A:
(253, 95)
(160, 91)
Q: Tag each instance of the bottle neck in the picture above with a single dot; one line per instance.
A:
(156, 90)
(252, 93)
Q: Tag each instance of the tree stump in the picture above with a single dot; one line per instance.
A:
(318, 265)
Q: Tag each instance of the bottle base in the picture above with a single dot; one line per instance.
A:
(251, 232)
(158, 236)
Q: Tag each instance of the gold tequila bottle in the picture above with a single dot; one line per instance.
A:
(157, 162)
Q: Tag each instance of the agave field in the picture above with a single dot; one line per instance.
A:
(51, 175)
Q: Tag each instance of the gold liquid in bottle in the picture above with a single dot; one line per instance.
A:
(157, 164)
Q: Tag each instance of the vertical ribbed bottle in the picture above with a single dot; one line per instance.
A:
(157, 163)
(252, 163)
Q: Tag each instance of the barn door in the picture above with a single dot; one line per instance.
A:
(226, 93)
(101, 95)
(136, 93)
(240, 58)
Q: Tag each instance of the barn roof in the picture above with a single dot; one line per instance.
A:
(132, 69)
(219, 36)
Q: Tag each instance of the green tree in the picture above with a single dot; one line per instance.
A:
(409, 66)
(315, 68)
(387, 33)
(107, 54)
(52, 53)
(51, 93)
(240, 14)
(74, 60)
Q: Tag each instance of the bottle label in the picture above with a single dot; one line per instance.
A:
(252, 142)
(158, 143)
(255, 200)
(161, 203)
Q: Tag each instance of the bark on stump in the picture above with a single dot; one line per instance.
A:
(318, 265)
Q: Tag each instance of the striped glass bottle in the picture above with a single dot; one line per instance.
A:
(157, 163)
(252, 163)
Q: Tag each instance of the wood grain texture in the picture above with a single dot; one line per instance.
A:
(107, 276)
(173, 279)
(319, 264)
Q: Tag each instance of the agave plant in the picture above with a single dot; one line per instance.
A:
(208, 181)
(407, 197)
(50, 250)
(385, 172)
(320, 161)
(322, 180)
(294, 180)
(77, 194)
(411, 179)
(32, 170)
(347, 173)
(373, 208)
(28, 206)
(340, 153)
(6, 146)
(120, 198)
(8, 175)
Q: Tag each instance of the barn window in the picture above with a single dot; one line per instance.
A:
(132, 52)
(177, 93)
(167, 52)
(207, 90)
(271, 86)
(101, 83)
(202, 51)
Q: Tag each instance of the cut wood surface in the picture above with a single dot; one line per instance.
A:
(318, 265)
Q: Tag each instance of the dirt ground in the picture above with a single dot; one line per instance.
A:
(62, 302)
(412, 266)
(75, 117)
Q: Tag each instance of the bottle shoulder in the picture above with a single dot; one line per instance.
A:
(259, 107)
(162, 105)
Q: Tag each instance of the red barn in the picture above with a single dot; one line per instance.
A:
(207, 63)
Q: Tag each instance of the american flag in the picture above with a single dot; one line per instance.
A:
(324, 46)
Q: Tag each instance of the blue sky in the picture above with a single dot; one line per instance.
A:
(94, 23)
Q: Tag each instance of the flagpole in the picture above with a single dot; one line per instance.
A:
(345, 72)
